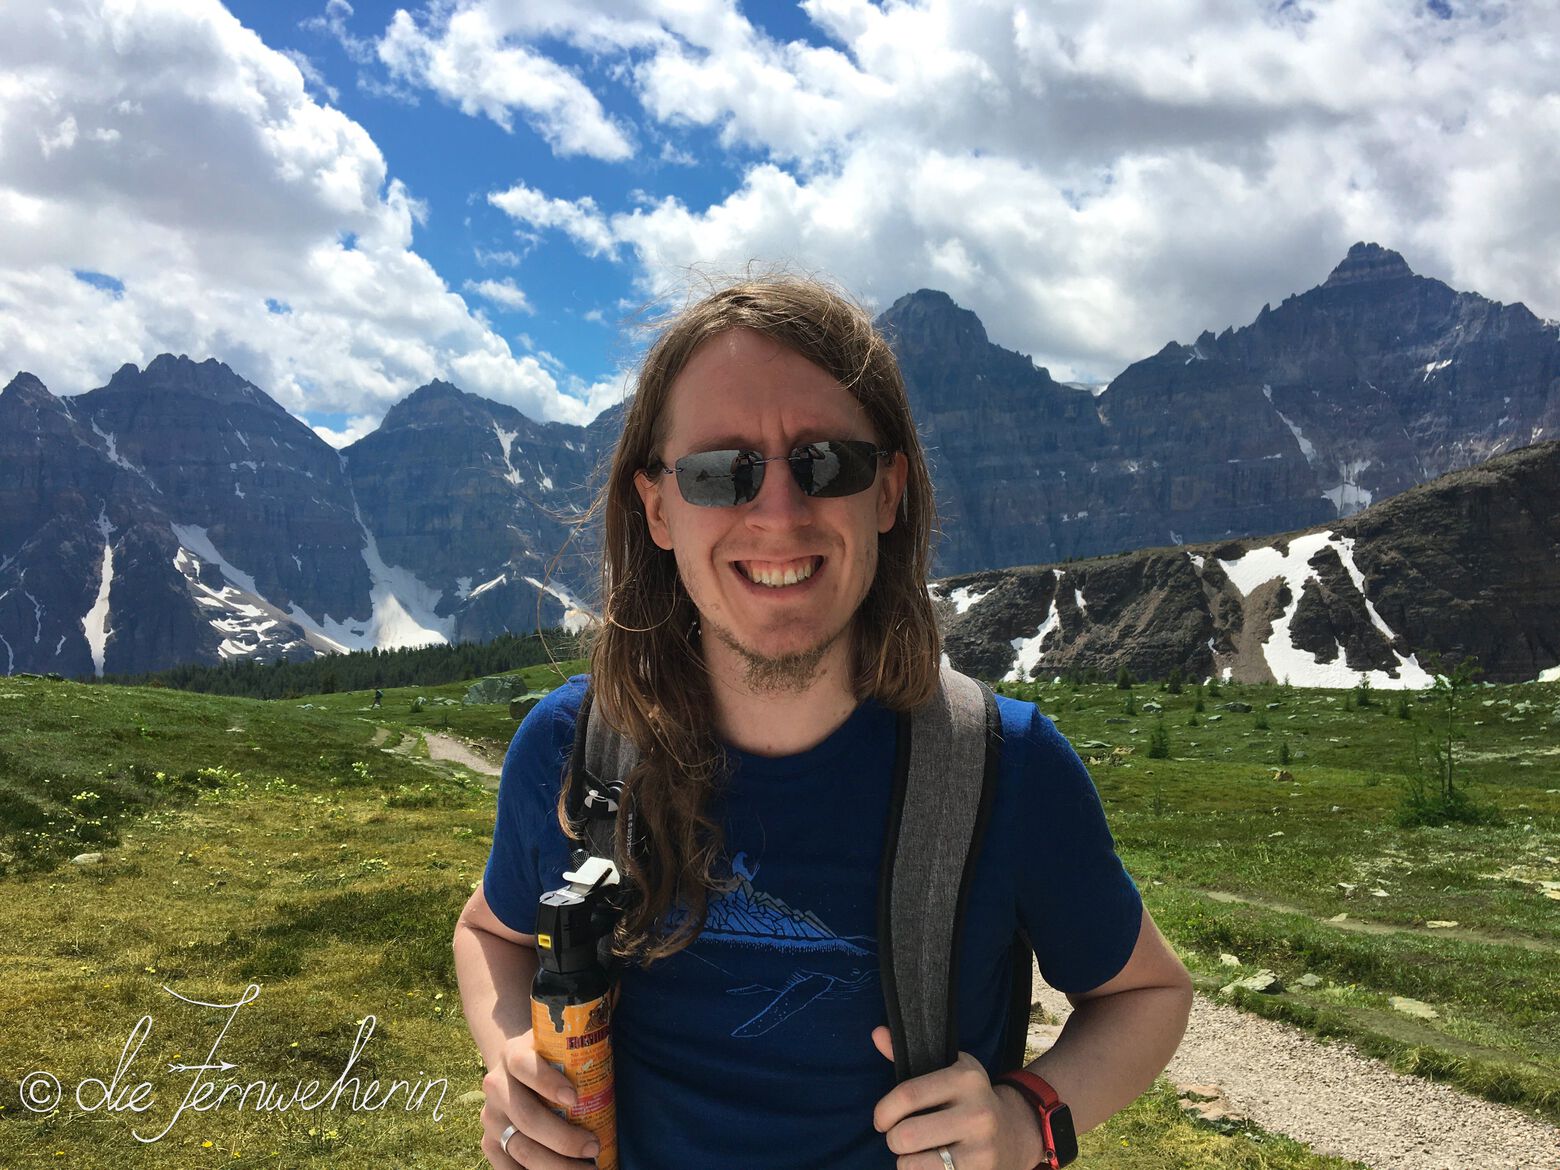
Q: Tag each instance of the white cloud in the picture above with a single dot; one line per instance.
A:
(1093, 179)
(312, 75)
(501, 292)
(580, 219)
(244, 220)
(467, 63)
(356, 428)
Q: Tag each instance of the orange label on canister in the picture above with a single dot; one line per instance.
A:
(576, 1040)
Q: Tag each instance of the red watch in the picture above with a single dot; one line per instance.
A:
(1056, 1123)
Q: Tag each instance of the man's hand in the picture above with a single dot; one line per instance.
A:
(984, 1127)
(518, 1093)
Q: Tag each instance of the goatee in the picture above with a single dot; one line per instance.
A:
(777, 674)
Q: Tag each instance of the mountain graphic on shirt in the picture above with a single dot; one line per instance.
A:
(745, 916)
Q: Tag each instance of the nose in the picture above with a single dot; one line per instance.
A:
(780, 504)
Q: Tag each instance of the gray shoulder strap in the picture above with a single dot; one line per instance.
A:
(608, 759)
(941, 800)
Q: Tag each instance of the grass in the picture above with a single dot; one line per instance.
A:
(1302, 867)
(312, 849)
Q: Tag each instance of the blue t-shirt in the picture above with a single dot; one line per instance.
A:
(753, 1047)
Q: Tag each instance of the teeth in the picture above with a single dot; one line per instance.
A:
(778, 576)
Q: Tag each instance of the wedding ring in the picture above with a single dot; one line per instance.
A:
(503, 1138)
(942, 1152)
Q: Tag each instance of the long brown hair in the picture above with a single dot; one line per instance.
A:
(647, 669)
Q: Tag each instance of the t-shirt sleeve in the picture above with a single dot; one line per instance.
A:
(1081, 909)
(528, 846)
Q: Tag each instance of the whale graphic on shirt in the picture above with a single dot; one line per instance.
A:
(746, 917)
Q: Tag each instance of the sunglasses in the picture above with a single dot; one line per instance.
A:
(724, 479)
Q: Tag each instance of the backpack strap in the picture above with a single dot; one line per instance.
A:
(948, 755)
(601, 760)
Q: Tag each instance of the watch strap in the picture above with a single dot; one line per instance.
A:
(1046, 1102)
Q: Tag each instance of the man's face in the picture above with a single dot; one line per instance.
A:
(743, 391)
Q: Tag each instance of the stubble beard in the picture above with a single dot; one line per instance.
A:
(777, 674)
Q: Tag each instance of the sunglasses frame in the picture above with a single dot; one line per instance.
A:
(756, 461)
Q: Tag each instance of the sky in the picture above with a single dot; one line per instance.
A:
(343, 201)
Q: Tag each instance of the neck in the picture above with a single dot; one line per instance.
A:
(779, 722)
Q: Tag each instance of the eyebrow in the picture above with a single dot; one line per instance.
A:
(730, 442)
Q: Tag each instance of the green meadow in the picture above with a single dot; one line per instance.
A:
(314, 850)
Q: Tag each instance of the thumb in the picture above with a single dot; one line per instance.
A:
(884, 1041)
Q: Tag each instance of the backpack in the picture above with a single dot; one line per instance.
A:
(946, 760)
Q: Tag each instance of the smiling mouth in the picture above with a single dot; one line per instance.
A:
(779, 574)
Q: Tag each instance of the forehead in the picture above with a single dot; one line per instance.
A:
(743, 388)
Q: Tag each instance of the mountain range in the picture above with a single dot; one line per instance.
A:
(1468, 564)
(180, 514)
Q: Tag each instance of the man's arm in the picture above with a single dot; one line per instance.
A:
(1120, 1036)
(1118, 1039)
(495, 967)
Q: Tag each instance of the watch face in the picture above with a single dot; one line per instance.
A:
(1063, 1137)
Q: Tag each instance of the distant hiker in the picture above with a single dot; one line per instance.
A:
(767, 518)
(379, 697)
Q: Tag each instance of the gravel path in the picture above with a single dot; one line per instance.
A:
(1340, 1102)
(444, 747)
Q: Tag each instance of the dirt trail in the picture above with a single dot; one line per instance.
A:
(1363, 926)
(1340, 1102)
(444, 747)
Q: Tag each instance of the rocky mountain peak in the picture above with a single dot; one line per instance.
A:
(210, 380)
(1368, 264)
(928, 318)
(26, 389)
(438, 404)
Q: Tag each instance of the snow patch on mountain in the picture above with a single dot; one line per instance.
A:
(95, 624)
(485, 586)
(236, 610)
(506, 440)
(1258, 566)
(965, 598)
(1028, 650)
(577, 615)
(1348, 496)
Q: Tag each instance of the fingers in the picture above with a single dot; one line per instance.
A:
(524, 1065)
(954, 1107)
(965, 1078)
(543, 1140)
(526, 1152)
(883, 1040)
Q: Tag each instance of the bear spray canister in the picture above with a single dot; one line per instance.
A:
(571, 1000)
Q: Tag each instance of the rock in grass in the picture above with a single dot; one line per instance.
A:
(1229, 960)
(475, 1097)
(1412, 1007)
(1441, 923)
(1264, 981)
(1309, 979)
(86, 859)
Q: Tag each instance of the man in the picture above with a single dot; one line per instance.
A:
(767, 529)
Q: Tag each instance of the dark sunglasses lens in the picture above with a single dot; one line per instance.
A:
(723, 479)
(719, 479)
(838, 467)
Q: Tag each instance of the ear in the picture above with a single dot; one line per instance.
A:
(891, 490)
(655, 515)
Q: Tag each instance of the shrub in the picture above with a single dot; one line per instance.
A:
(1123, 679)
(1159, 741)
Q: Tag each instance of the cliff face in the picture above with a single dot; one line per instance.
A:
(180, 514)
(1467, 564)
(478, 501)
(1360, 388)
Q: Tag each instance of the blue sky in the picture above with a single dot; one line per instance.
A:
(345, 200)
